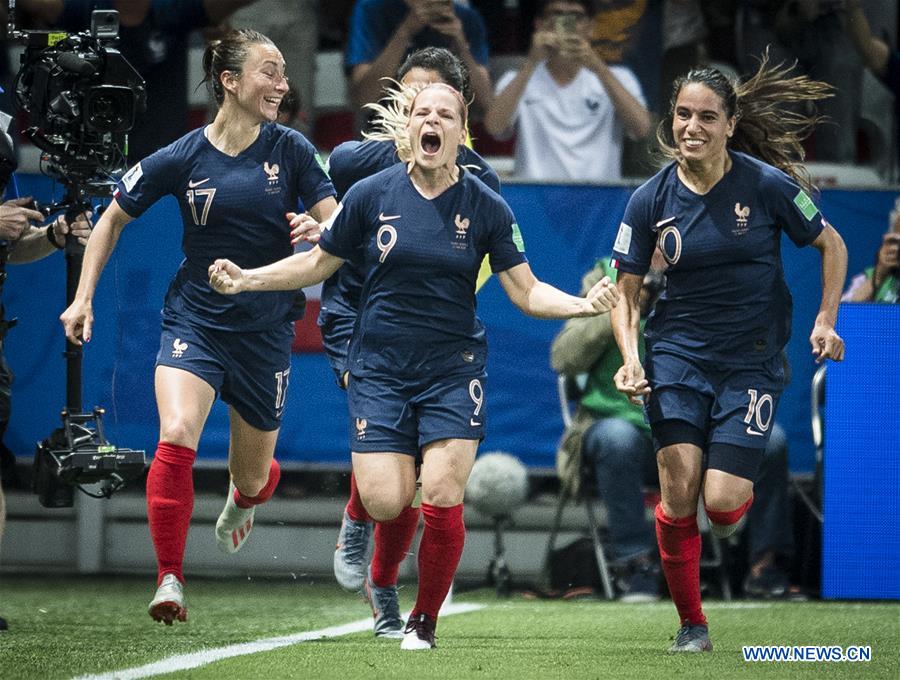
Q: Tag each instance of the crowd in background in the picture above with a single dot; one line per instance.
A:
(641, 45)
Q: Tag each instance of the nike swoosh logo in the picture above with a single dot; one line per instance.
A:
(750, 430)
(665, 221)
(473, 423)
(192, 184)
(384, 217)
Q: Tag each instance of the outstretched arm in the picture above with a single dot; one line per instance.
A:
(297, 271)
(543, 301)
(826, 343)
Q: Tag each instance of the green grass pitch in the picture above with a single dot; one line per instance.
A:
(68, 627)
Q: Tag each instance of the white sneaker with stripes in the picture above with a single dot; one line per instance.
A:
(234, 524)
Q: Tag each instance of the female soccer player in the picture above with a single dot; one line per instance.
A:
(417, 356)
(349, 163)
(713, 371)
(235, 180)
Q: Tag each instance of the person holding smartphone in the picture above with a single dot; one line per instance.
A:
(570, 110)
(384, 32)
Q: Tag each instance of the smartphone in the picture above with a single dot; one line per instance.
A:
(565, 24)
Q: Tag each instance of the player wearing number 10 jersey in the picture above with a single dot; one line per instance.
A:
(712, 374)
(238, 183)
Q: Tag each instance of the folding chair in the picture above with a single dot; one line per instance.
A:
(570, 390)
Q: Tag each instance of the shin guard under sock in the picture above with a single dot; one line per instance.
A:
(679, 551)
(439, 553)
(392, 541)
(170, 502)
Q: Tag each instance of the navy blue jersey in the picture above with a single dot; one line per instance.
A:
(231, 207)
(420, 259)
(349, 163)
(726, 299)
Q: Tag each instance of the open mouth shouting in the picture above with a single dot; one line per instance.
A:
(431, 143)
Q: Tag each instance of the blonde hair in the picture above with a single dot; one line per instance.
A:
(392, 117)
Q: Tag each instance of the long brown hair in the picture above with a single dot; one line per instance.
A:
(769, 126)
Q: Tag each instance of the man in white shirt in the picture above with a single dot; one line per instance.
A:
(569, 109)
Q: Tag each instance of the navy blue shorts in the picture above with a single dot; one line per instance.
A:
(336, 334)
(249, 370)
(730, 404)
(402, 416)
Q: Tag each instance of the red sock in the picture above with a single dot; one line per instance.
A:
(355, 509)
(392, 541)
(726, 518)
(439, 553)
(679, 550)
(265, 493)
(170, 502)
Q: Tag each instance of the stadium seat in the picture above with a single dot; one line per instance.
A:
(569, 390)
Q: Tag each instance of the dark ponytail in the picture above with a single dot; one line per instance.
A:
(228, 54)
(769, 126)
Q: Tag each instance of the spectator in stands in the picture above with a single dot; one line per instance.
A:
(154, 38)
(878, 57)
(876, 54)
(630, 32)
(810, 32)
(384, 32)
(684, 41)
(569, 109)
(880, 282)
(612, 435)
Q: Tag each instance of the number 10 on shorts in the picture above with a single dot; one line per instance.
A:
(759, 413)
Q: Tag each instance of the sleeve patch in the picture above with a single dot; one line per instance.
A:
(321, 163)
(805, 204)
(517, 238)
(132, 177)
(623, 239)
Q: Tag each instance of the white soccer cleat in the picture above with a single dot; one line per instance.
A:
(234, 524)
(419, 633)
(168, 604)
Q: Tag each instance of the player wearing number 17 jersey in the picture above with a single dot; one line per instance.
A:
(713, 374)
(238, 183)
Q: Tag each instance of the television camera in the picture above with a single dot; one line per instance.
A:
(79, 97)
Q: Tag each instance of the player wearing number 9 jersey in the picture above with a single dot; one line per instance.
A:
(348, 164)
(713, 371)
(238, 183)
(417, 355)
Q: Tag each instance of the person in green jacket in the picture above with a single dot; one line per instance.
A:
(610, 432)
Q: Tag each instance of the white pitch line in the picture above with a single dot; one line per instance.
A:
(183, 662)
